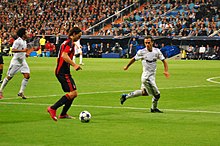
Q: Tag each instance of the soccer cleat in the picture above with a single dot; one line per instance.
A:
(123, 98)
(81, 64)
(1, 81)
(22, 95)
(52, 113)
(156, 110)
(66, 117)
(1, 95)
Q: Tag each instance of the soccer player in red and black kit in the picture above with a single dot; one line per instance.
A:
(63, 75)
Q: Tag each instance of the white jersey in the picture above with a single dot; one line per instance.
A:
(19, 57)
(78, 47)
(149, 63)
(18, 62)
(149, 60)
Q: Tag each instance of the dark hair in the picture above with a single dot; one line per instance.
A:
(74, 30)
(21, 32)
(149, 37)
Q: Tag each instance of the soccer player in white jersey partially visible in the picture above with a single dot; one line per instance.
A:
(148, 56)
(78, 50)
(18, 63)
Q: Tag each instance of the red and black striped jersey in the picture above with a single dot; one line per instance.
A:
(62, 66)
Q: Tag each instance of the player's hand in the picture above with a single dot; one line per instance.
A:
(77, 67)
(167, 75)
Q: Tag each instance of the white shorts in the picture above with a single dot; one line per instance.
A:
(78, 50)
(15, 67)
(150, 86)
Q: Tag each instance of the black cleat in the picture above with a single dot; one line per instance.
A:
(156, 110)
(22, 95)
(123, 98)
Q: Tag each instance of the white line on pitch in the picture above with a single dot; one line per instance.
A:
(113, 107)
(212, 80)
(119, 91)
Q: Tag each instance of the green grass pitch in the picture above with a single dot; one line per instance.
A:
(191, 106)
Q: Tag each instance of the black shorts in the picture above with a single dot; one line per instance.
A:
(1, 59)
(66, 82)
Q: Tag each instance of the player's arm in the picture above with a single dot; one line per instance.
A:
(66, 58)
(130, 63)
(14, 50)
(165, 64)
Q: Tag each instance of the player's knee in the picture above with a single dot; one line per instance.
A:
(73, 94)
(27, 76)
(157, 97)
(9, 78)
(144, 92)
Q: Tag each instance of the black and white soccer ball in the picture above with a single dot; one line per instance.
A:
(85, 116)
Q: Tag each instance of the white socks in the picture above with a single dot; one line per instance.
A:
(80, 59)
(4, 83)
(23, 85)
(74, 59)
(154, 103)
(134, 94)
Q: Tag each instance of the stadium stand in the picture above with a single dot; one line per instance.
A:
(133, 18)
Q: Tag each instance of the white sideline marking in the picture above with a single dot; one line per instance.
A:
(113, 107)
(212, 80)
(104, 92)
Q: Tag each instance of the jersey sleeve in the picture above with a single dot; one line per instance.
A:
(16, 44)
(67, 49)
(160, 55)
(139, 55)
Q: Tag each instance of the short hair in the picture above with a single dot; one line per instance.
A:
(149, 37)
(74, 30)
(21, 32)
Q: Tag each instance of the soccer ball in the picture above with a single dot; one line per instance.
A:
(85, 116)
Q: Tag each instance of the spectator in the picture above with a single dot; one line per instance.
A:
(51, 48)
(196, 52)
(57, 43)
(42, 44)
(132, 48)
(89, 50)
(117, 49)
(202, 50)
(97, 51)
(107, 49)
(189, 54)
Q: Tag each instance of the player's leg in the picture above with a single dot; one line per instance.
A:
(25, 70)
(1, 71)
(153, 90)
(1, 67)
(12, 70)
(71, 96)
(68, 85)
(136, 93)
(76, 52)
(81, 58)
(74, 58)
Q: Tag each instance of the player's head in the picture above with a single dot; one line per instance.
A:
(148, 42)
(75, 33)
(21, 32)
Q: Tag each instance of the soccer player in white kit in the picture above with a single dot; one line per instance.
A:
(148, 56)
(18, 63)
(78, 50)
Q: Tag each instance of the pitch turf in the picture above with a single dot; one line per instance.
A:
(191, 105)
